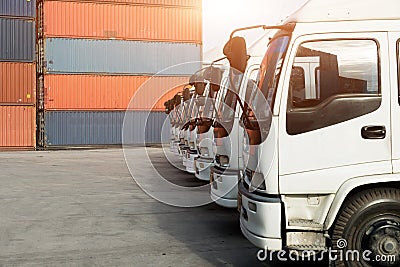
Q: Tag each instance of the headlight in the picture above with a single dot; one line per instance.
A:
(204, 151)
(192, 146)
(223, 160)
(256, 180)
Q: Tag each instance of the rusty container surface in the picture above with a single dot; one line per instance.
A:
(17, 83)
(125, 22)
(17, 126)
(98, 92)
(181, 3)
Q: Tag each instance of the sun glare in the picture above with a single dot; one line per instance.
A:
(221, 17)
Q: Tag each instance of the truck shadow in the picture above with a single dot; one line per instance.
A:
(211, 232)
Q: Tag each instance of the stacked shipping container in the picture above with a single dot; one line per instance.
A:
(95, 55)
(17, 73)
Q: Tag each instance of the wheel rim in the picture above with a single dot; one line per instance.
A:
(381, 236)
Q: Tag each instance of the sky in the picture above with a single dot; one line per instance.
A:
(221, 17)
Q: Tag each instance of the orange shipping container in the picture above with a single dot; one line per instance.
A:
(128, 22)
(17, 126)
(17, 83)
(97, 92)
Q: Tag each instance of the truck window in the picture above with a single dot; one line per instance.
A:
(332, 81)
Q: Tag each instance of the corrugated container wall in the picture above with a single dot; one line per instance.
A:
(121, 57)
(17, 126)
(18, 8)
(102, 128)
(127, 22)
(95, 55)
(17, 83)
(96, 92)
(17, 40)
(182, 3)
(17, 73)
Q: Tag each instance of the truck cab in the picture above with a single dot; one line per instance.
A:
(176, 122)
(217, 77)
(228, 134)
(201, 96)
(169, 110)
(188, 96)
(321, 149)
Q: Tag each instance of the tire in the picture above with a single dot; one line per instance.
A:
(368, 222)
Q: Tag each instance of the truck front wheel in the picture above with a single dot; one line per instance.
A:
(367, 229)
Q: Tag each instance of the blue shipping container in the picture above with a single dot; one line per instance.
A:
(80, 128)
(17, 40)
(121, 57)
(18, 8)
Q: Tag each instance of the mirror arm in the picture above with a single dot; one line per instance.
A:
(287, 27)
(217, 60)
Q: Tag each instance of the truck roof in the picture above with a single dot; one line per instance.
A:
(346, 10)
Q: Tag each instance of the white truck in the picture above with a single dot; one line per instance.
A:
(228, 139)
(186, 107)
(169, 110)
(201, 85)
(218, 75)
(173, 109)
(322, 152)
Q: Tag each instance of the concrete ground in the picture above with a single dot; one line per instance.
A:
(82, 208)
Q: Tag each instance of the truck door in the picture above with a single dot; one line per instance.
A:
(394, 50)
(341, 128)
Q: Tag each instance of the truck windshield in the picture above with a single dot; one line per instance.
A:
(258, 103)
(187, 108)
(215, 80)
(227, 106)
(199, 102)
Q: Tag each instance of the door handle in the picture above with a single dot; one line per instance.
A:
(373, 132)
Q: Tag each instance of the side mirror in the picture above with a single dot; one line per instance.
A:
(215, 78)
(200, 87)
(167, 105)
(177, 100)
(236, 52)
(186, 94)
(197, 80)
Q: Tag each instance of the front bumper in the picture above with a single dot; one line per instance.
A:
(224, 189)
(175, 147)
(260, 219)
(202, 168)
(271, 244)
